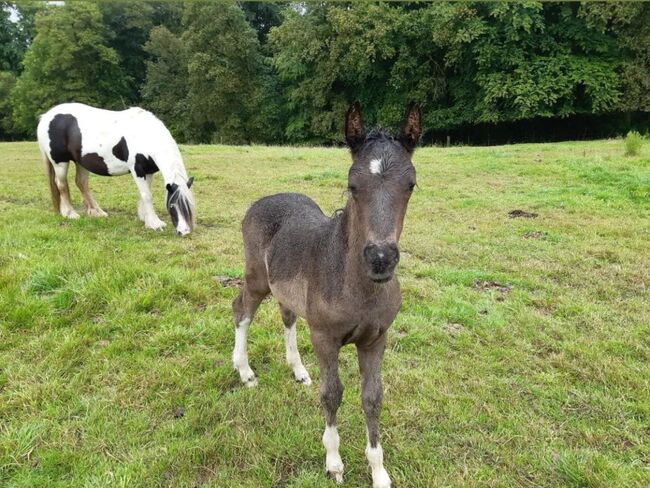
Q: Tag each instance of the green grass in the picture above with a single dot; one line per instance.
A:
(115, 341)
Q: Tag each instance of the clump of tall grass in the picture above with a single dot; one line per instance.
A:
(633, 142)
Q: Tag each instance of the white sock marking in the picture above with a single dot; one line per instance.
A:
(293, 356)
(333, 461)
(375, 166)
(240, 354)
(375, 456)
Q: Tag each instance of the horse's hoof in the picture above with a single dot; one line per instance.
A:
(337, 476)
(160, 225)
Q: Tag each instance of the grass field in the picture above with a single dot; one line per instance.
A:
(521, 356)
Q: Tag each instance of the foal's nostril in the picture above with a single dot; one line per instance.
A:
(381, 258)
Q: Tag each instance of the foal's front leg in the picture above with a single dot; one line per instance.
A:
(331, 393)
(146, 211)
(371, 397)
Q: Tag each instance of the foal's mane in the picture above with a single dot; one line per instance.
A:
(379, 134)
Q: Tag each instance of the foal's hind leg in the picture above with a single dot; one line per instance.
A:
(61, 180)
(291, 344)
(92, 208)
(253, 291)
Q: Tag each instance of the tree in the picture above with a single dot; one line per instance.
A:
(328, 55)
(262, 16)
(11, 50)
(230, 96)
(69, 60)
(508, 62)
(165, 88)
(7, 82)
(127, 25)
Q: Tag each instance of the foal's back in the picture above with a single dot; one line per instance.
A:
(282, 236)
(285, 218)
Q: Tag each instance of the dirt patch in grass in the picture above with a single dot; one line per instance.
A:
(521, 214)
(503, 289)
(536, 234)
(453, 328)
(229, 281)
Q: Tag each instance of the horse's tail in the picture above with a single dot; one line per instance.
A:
(54, 189)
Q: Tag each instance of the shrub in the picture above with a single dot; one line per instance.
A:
(633, 143)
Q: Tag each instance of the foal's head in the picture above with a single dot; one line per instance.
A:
(180, 205)
(380, 183)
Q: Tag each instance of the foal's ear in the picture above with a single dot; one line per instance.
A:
(169, 187)
(355, 134)
(411, 130)
(190, 181)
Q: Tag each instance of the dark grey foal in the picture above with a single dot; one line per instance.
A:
(338, 273)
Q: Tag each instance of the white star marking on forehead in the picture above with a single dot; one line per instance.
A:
(375, 166)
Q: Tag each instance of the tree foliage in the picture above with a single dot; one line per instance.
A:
(224, 63)
(69, 60)
(285, 72)
(165, 89)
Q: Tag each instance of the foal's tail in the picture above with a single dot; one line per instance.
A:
(54, 190)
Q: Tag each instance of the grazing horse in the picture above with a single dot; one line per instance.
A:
(338, 273)
(110, 143)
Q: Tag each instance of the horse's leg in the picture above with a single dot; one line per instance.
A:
(253, 291)
(291, 344)
(145, 206)
(331, 393)
(142, 211)
(61, 180)
(371, 396)
(81, 178)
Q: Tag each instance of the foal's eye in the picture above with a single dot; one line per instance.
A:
(352, 188)
(411, 186)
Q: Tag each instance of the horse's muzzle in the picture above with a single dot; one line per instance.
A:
(381, 260)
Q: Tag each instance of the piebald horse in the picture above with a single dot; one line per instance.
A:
(337, 273)
(109, 143)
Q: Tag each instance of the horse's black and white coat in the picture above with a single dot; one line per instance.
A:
(110, 143)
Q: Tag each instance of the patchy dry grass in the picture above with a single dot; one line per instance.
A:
(520, 358)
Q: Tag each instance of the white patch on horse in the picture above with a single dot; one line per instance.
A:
(293, 355)
(240, 354)
(375, 166)
(375, 456)
(333, 461)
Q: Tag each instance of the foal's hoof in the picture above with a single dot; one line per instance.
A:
(247, 376)
(96, 212)
(69, 214)
(301, 375)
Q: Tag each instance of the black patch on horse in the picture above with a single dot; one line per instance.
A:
(94, 163)
(144, 165)
(65, 139)
(121, 150)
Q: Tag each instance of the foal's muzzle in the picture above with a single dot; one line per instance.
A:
(381, 260)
